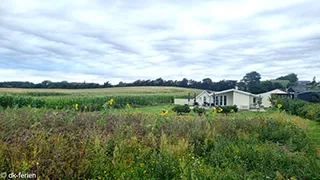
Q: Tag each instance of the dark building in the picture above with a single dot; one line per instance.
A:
(310, 96)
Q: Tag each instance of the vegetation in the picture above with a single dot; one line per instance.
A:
(198, 110)
(93, 100)
(180, 109)
(228, 109)
(250, 82)
(298, 107)
(57, 144)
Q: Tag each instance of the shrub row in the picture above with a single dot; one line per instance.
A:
(298, 107)
(228, 109)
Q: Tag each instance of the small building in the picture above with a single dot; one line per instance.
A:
(243, 100)
(276, 92)
(310, 96)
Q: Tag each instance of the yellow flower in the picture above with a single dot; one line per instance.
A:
(214, 109)
(111, 101)
(164, 112)
(137, 109)
(128, 106)
(279, 106)
(232, 111)
(77, 107)
(85, 107)
(29, 106)
(220, 110)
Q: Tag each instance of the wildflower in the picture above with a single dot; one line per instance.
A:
(164, 112)
(76, 107)
(81, 153)
(85, 107)
(220, 110)
(221, 129)
(52, 140)
(178, 134)
(129, 159)
(279, 106)
(56, 107)
(128, 106)
(111, 101)
(232, 111)
(214, 109)
(137, 109)
(29, 106)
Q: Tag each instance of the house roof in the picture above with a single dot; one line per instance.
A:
(275, 91)
(238, 91)
(205, 91)
(298, 89)
(310, 91)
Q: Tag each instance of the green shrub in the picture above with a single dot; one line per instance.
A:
(228, 109)
(180, 109)
(199, 111)
(299, 108)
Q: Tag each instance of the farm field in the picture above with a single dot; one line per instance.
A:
(144, 90)
(91, 99)
(136, 141)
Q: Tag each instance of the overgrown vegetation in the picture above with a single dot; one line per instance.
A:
(298, 107)
(57, 144)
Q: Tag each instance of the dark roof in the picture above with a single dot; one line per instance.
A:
(298, 89)
(208, 91)
(310, 91)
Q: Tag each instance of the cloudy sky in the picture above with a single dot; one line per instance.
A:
(100, 40)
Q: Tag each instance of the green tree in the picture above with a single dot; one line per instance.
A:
(292, 77)
(252, 82)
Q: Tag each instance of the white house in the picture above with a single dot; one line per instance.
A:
(242, 99)
(267, 95)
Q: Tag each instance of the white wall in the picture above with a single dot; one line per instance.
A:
(242, 100)
(209, 99)
(183, 101)
(229, 98)
(265, 100)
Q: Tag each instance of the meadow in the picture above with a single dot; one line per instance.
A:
(143, 142)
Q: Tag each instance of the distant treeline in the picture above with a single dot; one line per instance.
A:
(250, 82)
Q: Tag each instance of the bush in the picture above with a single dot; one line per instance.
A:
(299, 108)
(199, 111)
(228, 109)
(181, 109)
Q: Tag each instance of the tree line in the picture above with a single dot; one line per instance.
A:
(251, 82)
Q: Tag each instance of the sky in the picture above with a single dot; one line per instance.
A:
(102, 40)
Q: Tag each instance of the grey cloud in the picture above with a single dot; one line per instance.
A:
(128, 41)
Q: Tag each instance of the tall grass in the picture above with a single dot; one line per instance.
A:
(57, 144)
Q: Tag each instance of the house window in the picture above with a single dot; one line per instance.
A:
(225, 100)
(254, 100)
(220, 100)
(204, 99)
(217, 100)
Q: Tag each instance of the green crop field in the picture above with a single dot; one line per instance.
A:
(93, 99)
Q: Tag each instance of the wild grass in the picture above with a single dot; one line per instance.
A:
(57, 144)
